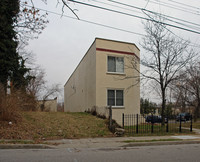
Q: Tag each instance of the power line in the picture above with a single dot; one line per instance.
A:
(154, 12)
(185, 4)
(116, 6)
(98, 24)
(185, 9)
(193, 44)
(140, 17)
(163, 15)
(90, 22)
(175, 7)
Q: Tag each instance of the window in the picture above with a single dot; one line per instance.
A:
(115, 64)
(115, 97)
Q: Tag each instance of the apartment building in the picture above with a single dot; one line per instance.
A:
(108, 75)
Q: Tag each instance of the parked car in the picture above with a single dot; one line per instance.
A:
(183, 117)
(156, 119)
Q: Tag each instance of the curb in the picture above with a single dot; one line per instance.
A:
(25, 146)
(160, 143)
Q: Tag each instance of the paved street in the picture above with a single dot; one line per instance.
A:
(106, 149)
(182, 153)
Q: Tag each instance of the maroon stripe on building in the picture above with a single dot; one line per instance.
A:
(116, 51)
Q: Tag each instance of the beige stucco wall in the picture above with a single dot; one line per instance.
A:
(105, 80)
(49, 105)
(79, 91)
(87, 86)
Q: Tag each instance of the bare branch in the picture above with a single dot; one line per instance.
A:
(30, 22)
(65, 4)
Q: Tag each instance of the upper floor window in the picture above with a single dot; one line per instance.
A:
(115, 64)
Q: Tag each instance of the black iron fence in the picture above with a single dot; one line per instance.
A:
(152, 124)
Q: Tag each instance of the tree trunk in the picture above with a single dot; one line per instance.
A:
(196, 112)
(163, 107)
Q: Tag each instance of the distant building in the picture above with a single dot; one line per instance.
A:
(99, 80)
(49, 105)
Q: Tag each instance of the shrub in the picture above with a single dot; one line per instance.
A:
(9, 106)
(94, 112)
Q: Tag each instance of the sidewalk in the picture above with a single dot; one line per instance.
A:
(124, 141)
(114, 142)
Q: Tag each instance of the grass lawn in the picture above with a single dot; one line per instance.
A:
(48, 125)
(145, 129)
(196, 124)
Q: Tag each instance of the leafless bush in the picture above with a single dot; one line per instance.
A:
(12, 104)
(9, 106)
(27, 102)
(93, 111)
(60, 107)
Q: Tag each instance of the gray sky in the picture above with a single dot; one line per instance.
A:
(64, 42)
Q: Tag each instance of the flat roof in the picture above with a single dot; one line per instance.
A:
(117, 41)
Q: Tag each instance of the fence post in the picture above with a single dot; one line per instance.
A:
(132, 124)
(191, 124)
(167, 127)
(123, 120)
(137, 124)
(180, 123)
(152, 123)
(110, 118)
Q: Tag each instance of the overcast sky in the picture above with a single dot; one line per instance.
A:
(64, 42)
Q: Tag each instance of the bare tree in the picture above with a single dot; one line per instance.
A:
(30, 22)
(49, 92)
(179, 94)
(165, 56)
(38, 89)
(37, 83)
(189, 83)
(193, 87)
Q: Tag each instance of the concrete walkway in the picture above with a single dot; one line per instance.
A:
(124, 141)
(108, 142)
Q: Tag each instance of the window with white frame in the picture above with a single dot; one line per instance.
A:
(115, 97)
(115, 64)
